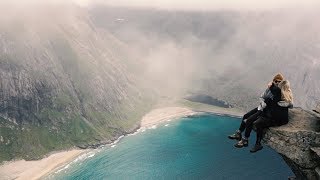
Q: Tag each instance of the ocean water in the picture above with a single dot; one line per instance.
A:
(189, 148)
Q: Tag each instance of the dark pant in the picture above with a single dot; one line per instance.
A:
(251, 117)
(260, 124)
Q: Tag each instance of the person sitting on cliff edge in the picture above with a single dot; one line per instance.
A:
(271, 93)
(277, 116)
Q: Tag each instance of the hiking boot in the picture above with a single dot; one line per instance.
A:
(256, 147)
(236, 136)
(242, 143)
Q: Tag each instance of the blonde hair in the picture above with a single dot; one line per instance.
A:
(286, 93)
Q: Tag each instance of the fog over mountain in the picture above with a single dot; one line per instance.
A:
(205, 5)
(84, 75)
(230, 55)
(64, 82)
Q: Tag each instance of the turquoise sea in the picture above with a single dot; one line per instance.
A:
(189, 148)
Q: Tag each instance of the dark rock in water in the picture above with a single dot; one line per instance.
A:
(208, 100)
(298, 142)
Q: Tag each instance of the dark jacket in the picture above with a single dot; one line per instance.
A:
(270, 111)
(280, 115)
(276, 111)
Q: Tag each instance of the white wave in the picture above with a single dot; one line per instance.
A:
(99, 150)
(133, 134)
(153, 127)
(64, 168)
(167, 125)
(113, 146)
(116, 141)
(169, 120)
(91, 155)
(142, 129)
(79, 159)
(85, 156)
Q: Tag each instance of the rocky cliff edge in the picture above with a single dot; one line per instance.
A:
(298, 142)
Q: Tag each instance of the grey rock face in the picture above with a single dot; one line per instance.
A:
(298, 142)
(63, 83)
(62, 56)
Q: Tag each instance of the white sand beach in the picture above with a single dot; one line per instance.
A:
(30, 170)
(163, 114)
(160, 115)
(22, 169)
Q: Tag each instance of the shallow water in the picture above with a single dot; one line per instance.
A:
(190, 148)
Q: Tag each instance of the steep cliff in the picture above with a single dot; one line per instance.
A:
(63, 82)
(298, 142)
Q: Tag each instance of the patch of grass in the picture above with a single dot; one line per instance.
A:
(7, 137)
(56, 128)
(33, 142)
(63, 101)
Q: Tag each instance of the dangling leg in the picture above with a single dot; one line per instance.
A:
(260, 124)
(244, 142)
(249, 123)
(238, 134)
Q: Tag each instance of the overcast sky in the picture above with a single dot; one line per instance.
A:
(186, 4)
(208, 4)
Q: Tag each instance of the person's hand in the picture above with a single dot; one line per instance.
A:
(269, 84)
(259, 107)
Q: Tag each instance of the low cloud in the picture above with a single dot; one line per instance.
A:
(202, 5)
(207, 4)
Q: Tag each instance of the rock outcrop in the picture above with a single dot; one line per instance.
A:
(298, 143)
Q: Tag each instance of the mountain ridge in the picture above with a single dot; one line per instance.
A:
(64, 85)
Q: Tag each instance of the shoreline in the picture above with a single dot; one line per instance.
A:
(21, 169)
(159, 115)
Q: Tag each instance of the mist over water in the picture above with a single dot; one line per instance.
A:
(190, 148)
